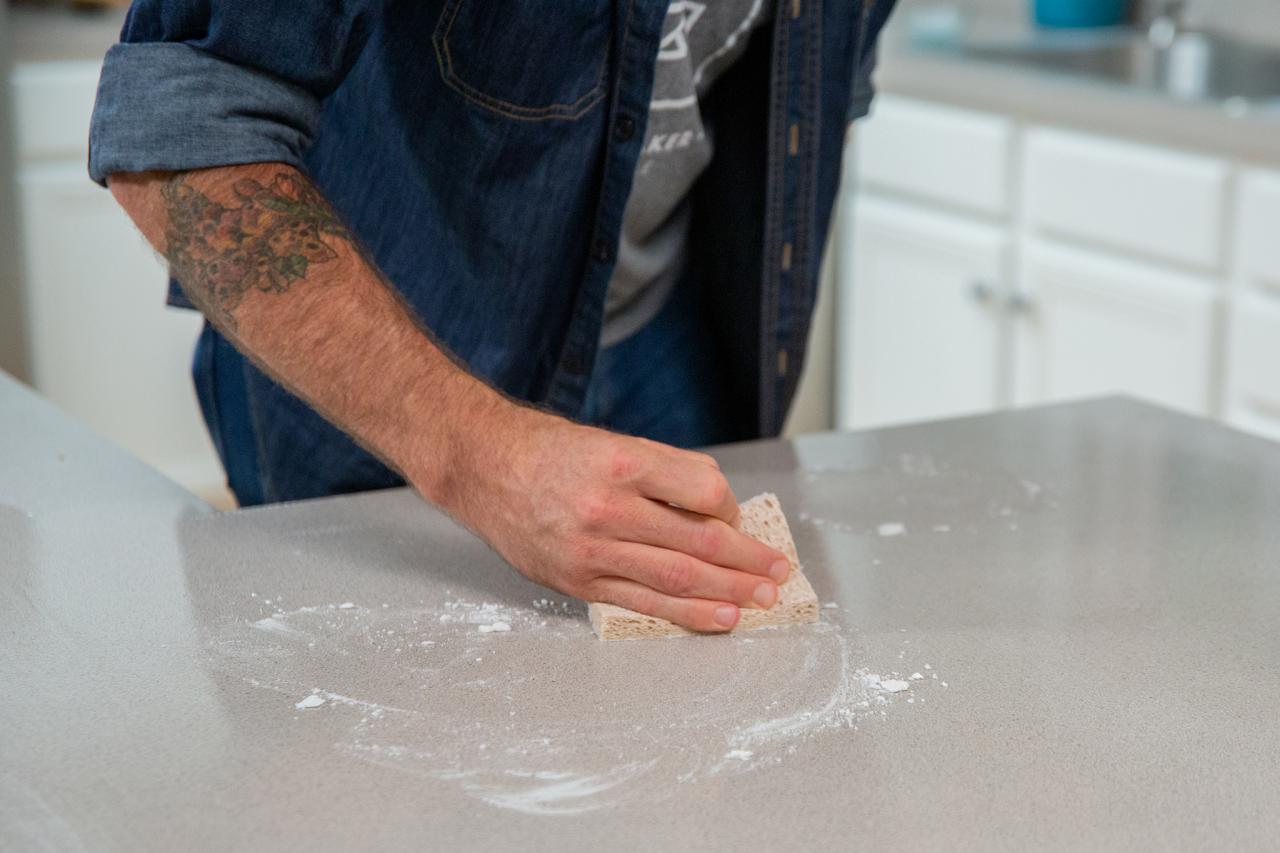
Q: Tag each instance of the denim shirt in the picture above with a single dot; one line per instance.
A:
(484, 152)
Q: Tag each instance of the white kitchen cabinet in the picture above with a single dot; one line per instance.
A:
(101, 342)
(1154, 202)
(1258, 223)
(53, 102)
(1253, 365)
(936, 153)
(920, 309)
(1251, 396)
(1100, 325)
(1133, 268)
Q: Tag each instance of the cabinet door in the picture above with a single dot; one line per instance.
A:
(1253, 365)
(920, 325)
(1252, 395)
(103, 345)
(1097, 325)
(1257, 220)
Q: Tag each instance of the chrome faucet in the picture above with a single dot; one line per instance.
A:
(1168, 23)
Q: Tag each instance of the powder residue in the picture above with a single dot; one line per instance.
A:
(419, 691)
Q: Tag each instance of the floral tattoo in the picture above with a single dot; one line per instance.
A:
(271, 240)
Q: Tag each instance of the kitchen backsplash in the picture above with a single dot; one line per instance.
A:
(1255, 20)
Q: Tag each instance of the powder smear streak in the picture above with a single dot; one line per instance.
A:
(402, 685)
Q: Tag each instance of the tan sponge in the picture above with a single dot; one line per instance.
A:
(762, 519)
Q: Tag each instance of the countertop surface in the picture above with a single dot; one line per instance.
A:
(934, 69)
(1088, 594)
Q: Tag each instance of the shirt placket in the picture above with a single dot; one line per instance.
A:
(628, 115)
(794, 115)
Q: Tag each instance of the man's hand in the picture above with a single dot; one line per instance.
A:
(612, 518)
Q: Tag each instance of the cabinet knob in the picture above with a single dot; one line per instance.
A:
(981, 292)
(1019, 303)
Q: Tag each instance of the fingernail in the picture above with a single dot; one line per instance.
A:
(765, 595)
(727, 615)
(778, 571)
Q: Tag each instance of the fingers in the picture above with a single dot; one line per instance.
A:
(692, 613)
(680, 575)
(708, 539)
(690, 484)
(663, 473)
(704, 458)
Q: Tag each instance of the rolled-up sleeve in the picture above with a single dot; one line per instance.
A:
(200, 84)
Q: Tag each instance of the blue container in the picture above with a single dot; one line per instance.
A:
(1080, 13)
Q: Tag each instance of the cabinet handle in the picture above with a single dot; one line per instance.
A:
(1019, 303)
(981, 292)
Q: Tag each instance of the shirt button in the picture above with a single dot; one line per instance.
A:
(625, 127)
(601, 251)
(574, 364)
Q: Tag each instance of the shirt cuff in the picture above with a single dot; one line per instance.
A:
(168, 106)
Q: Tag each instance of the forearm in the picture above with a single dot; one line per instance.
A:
(604, 517)
(262, 254)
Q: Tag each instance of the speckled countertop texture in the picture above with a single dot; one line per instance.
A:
(1054, 628)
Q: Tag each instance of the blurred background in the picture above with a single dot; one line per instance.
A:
(1052, 199)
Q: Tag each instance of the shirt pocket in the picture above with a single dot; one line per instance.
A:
(533, 60)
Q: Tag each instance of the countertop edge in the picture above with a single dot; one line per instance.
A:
(1077, 104)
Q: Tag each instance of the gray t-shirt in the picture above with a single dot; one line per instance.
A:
(700, 40)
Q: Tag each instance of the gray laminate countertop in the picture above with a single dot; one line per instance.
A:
(1081, 600)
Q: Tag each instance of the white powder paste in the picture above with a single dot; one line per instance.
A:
(825, 524)
(418, 691)
(846, 499)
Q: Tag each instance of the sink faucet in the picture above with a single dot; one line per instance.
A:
(1168, 23)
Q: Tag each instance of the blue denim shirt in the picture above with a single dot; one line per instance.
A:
(484, 152)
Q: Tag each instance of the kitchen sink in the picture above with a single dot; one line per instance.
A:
(1191, 65)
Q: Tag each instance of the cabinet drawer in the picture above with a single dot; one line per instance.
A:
(52, 103)
(1099, 325)
(1253, 365)
(1151, 201)
(1259, 228)
(954, 156)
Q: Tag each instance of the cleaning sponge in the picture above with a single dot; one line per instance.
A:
(762, 519)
